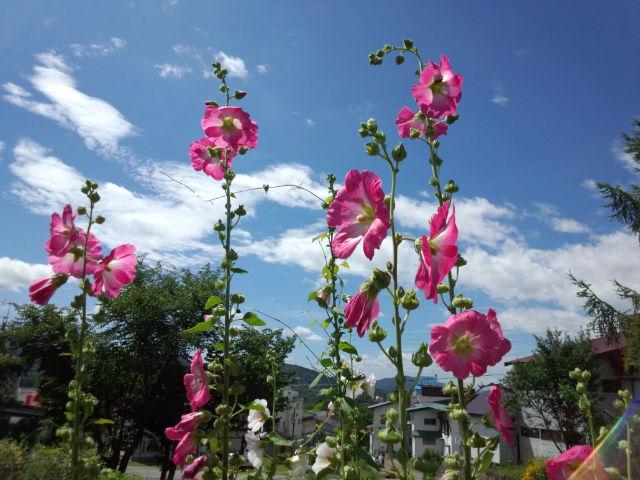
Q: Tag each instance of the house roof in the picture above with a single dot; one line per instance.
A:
(600, 346)
(479, 405)
(426, 433)
(427, 406)
(381, 404)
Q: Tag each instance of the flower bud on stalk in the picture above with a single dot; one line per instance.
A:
(377, 333)
(421, 358)
(410, 300)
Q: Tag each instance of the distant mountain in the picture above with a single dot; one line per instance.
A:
(304, 377)
(389, 384)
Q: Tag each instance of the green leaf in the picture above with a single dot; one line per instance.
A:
(345, 264)
(219, 346)
(316, 380)
(238, 270)
(278, 440)
(66, 354)
(326, 322)
(104, 421)
(326, 362)
(313, 295)
(212, 302)
(200, 327)
(366, 457)
(252, 319)
(256, 406)
(347, 348)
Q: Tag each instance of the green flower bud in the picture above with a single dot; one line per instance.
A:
(372, 125)
(399, 59)
(421, 358)
(476, 441)
(229, 175)
(363, 132)
(223, 88)
(392, 415)
(100, 219)
(240, 211)
(387, 48)
(623, 444)
(586, 375)
(381, 279)
(82, 210)
(213, 103)
(232, 255)
(458, 414)
(433, 181)
(451, 119)
(393, 397)
(581, 387)
(240, 94)
(613, 472)
(451, 187)
(449, 388)
(372, 149)
(462, 302)
(237, 298)
(399, 153)
(377, 333)
(242, 150)
(575, 373)
(332, 441)
(414, 133)
(408, 43)
(380, 136)
(442, 288)
(410, 300)
(619, 404)
(219, 227)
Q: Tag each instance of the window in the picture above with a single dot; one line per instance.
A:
(430, 421)
(428, 442)
(383, 419)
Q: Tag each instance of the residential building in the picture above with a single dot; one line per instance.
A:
(289, 421)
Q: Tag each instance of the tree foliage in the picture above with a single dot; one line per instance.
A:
(544, 390)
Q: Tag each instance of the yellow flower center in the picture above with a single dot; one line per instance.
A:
(228, 124)
(462, 345)
(367, 214)
(438, 85)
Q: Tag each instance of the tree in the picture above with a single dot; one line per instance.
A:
(609, 321)
(542, 387)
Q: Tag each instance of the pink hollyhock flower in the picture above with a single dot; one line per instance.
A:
(194, 467)
(439, 89)
(229, 127)
(407, 120)
(201, 159)
(465, 344)
(501, 418)
(71, 263)
(115, 271)
(505, 344)
(62, 231)
(188, 423)
(41, 291)
(197, 383)
(438, 251)
(580, 457)
(186, 446)
(361, 310)
(360, 214)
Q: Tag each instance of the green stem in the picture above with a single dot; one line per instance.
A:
(227, 326)
(464, 432)
(628, 452)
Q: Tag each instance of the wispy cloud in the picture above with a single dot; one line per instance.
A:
(309, 122)
(98, 49)
(98, 123)
(551, 216)
(167, 70)
(2, 145)
(626, 159)
(262, 69)
(235, 65)
(306, 334)
(499, 98)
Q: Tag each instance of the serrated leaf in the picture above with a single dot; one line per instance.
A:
(200, 327)
(347, 348)
(252, 319)
(104, 421)
(316, 380)
(238, 270)
(212, 301)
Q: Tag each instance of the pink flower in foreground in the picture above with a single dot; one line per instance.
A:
(71, 263)
(201, 159)
(188, 423)
(466, 343)
(438, 251)
(197, 383)
(501, 418)
(186, 446)
(41, 291)
(439, 89)
(505, 344)
(407, 121)
(191, 470)
(230, 127)
(115, 271)
(62, 231)
(581, 457)
(361, 310)
(359, 213)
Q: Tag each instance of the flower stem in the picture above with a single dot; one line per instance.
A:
(227, 326)
(464, 431)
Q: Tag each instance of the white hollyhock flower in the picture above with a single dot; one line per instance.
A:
(257, 418)
(369, 385)
(254, 449)
(324, 455)
(296, 461)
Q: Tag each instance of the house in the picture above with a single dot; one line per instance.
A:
(429, 425)
(289, 421)
(536, 440)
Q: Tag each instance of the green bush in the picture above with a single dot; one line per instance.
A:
(535, 470)
(111, 475)
(12, 459)
(504, 471)
(46, 463)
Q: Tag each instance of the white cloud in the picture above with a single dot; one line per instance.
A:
(16, 275)
(99, 123)
(568, 225)
(537, 320)
(626, 159)
(309, 122)
(589, 184)
(306, 334)
(262, 69)
(2, 145)
(235, 65)
(167, 70)
(500, 100)
(98, 49)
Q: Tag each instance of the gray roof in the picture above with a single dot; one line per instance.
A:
(379, 404)
(428, 406)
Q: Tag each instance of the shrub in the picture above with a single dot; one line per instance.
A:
(107, 474)
(11, 460)
(46, 463)
(534, 470)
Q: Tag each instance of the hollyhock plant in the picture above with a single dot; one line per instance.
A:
(505, 344)
(501, 418)
(41, 291)
(115, 271)
(257, 417)
(255, 452)
(361, 310)
(439, 90)
(324, 455)
(72, 262)
(62, 230)
(407, 120)
(359, 212)
(438, 251)
(230, 127)
(188, 423)
(196, 383)
(191, 470)
(465, 344)
(563, 466)
(186, 446)
(203, 160)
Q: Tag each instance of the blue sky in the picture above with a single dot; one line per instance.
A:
(114, 91)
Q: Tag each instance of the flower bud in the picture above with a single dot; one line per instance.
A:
(414, 133)
(240, 211)
(363, 132)
(229, 175)
(462, 302)
(387, 48)
(410, 300)
(237, 298)
(387, 200)
(442, 288)
(408, 43)
(586, 375)
(613, 473)
(451, 119)
(240, 94)
(449, 388)
(458, 414)
(393, 397)
(372, 149)
(451, 187)
(623, 444)
(399, 153)
(213, 103)
(219, 227)
(332, 441)
(619, 404)
(232, 255)
(242, 150)
(82, 210)
(377, 333)
(421, 358)
(392, 415)
(372, 125)
(381, 279)
(476, 441)
(399, 59)
(380, 136)
(100, 219)
(581, 388)
(389, 436)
